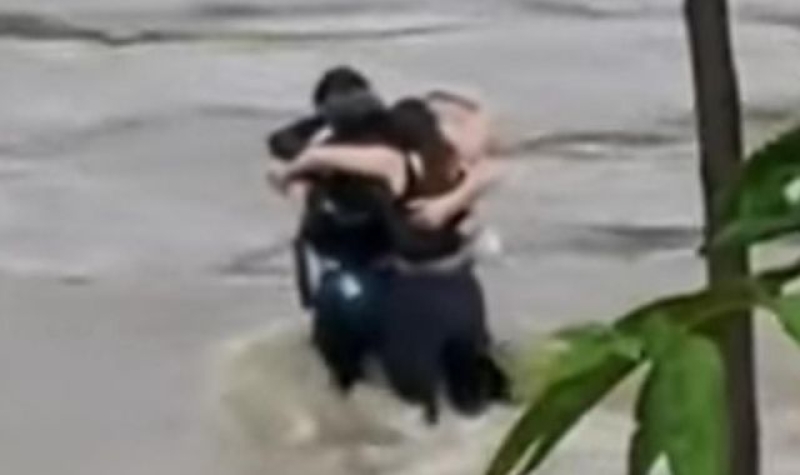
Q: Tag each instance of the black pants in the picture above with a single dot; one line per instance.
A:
(432, 338)
(427, 331)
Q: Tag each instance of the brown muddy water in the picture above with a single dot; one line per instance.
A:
(147, 320)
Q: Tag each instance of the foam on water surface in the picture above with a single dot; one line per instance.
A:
(278, 409)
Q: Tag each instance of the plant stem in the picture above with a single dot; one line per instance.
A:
(719, 133)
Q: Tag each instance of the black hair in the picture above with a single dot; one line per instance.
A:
(338, 81)
(343, 100)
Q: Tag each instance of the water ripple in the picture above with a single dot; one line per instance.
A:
(596, 11)
(250, 10)
(613, 240)
(47, 143)
(268, 261)
(590, 144)
(40, 27)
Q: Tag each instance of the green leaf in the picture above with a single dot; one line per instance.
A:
(647, 444)
(696, 309)
(692, 396)
(690, 310)
(682, 408)
(645, 447)
(589, 345)
(768, 171)
(745, 231)
(787, 309)
(774, 280)
(598, 357)
(760, 207)
(571, 351)
(562, 412)
(558, 408)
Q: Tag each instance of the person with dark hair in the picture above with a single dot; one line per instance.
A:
(340, 210)
(353, 122)
(343, 227)
(441, 342)
(338, 81)
(349, 217)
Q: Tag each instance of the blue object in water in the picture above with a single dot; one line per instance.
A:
(345, 294)
(344, 321)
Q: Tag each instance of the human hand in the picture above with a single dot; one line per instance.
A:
(278, 176)
(296, 192)
(431, 213)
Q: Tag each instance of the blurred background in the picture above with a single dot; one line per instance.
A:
(137, 235)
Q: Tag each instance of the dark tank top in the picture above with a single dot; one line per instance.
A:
(417, 245)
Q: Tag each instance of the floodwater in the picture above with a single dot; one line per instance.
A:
(143, 264)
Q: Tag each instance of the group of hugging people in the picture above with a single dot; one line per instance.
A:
(384, 250)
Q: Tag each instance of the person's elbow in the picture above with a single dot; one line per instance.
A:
(285, 145)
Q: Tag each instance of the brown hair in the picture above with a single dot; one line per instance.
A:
(418, 131)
